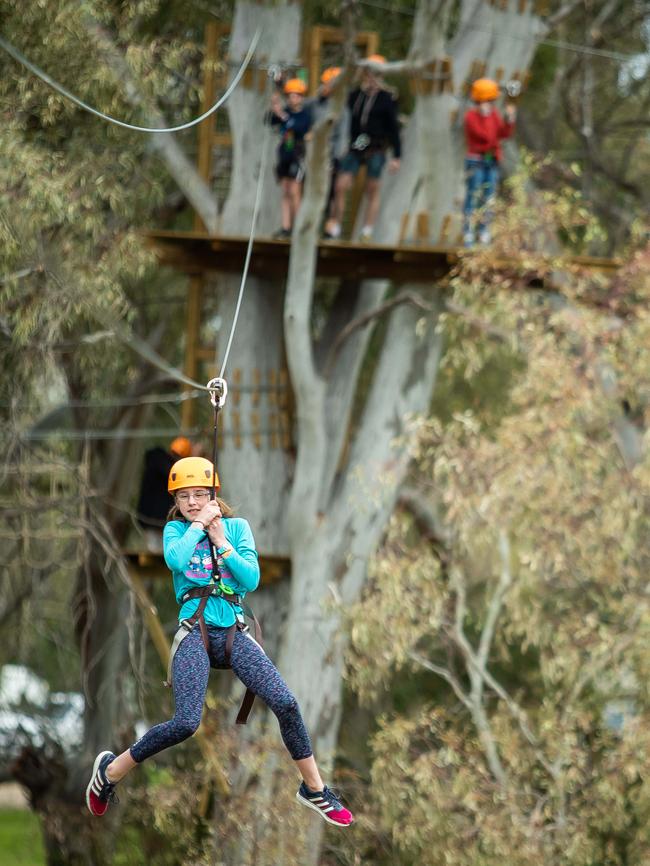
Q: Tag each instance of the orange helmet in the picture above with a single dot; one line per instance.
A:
(330, 74)
(484, 90)
(295, 85)
(376, 58)
(192, 472)
(181, 446)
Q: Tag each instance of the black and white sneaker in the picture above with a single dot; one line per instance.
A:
(100, 793)
(327, 804)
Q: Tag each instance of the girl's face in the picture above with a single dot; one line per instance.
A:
(294, 101)
(190, 501)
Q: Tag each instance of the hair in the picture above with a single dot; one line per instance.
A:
(226, 510)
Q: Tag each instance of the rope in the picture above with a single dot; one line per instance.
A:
(17, 55)
(251, 240)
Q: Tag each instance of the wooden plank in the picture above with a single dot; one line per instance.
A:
(314, 45)
(150, 614)
(320, 36)
(192, 337)
(422, 230)
(403, 229)
(204, 154)
(447, 73)
(444, 228)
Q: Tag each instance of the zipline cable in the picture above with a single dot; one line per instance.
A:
(251, 240)
(578, 47)
(17, 55)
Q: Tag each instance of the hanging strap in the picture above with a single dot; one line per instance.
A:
(218, 390)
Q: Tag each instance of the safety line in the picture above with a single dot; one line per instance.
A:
(251, 240)
(17, 55)
(578, 47)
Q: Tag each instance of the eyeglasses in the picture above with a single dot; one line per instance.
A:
(199, 495)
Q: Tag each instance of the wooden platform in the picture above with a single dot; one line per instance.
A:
(196, 252)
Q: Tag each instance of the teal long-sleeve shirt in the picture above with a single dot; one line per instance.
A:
(187, 554)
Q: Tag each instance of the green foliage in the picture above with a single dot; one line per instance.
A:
(20, 838)
(531, 608)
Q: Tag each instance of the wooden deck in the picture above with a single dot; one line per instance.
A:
(196, 252)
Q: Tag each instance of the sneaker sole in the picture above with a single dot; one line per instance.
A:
(92, 779)
(323, 815)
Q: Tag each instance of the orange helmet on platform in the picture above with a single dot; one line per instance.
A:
(191, 472)
(376, 58)
(295, 85)
(181, 446)
(330, 74)
(484, 90)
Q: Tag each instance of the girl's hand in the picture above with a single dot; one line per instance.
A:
(208, 513)
(216, 533)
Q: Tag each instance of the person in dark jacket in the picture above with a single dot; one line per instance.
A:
(374, 128)
(154, 501)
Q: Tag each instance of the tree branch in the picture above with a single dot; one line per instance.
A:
(445, 673)
(477, 676)
(496, 602)
(309, 387)
(427, 521)
(478, 323)
(405, 297)
(562, 13)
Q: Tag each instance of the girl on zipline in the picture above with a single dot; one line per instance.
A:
(197, 526)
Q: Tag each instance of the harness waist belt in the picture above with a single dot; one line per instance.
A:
(206, 591)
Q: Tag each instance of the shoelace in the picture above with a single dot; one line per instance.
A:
(332, 798)
(108, 793)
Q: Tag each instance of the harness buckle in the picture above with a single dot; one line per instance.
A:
(361, 142)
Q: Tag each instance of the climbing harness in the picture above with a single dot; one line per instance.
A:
(218, 390)
(17, 55)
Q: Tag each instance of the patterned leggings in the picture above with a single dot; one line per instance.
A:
(190, 682)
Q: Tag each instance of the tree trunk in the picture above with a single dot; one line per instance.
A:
(256, 471)
(343, 492)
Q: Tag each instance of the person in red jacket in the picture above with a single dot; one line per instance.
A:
(484, 131)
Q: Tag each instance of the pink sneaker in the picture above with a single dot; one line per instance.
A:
(100, 793)
(327, 804)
